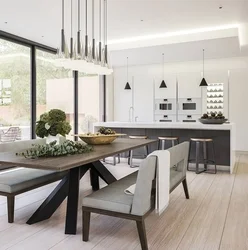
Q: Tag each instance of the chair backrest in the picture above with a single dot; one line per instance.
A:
(178, 163)
(142, 195)
(178, 160)
(18, 146)
(179, 156)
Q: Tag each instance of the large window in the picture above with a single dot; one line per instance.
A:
(88, 103)
(19, 75)
(54, 86)
(15, 89)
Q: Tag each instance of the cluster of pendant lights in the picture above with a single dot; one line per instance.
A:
(163, 84)
(85, 56)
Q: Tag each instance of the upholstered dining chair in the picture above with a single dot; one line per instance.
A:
(112, 200)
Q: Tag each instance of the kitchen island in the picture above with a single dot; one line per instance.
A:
(223, 136)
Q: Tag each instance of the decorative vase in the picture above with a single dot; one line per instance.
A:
(51, 138)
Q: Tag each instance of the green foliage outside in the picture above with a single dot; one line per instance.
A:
(15, 65)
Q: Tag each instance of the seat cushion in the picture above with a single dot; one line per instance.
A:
(19, 179)
(175, 177)
(112, 197)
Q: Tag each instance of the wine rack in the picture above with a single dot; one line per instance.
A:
(215, 98)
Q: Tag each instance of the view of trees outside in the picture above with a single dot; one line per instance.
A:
(54, 89)
(15, 85)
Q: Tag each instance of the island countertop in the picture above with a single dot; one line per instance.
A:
(165, 125)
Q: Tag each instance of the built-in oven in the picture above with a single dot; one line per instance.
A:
(189, 106)
(165, 106)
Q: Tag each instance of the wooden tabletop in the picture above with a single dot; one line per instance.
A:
(62, 163)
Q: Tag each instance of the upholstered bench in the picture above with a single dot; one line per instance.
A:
(16, 180)
(20, 180)
(113, 201)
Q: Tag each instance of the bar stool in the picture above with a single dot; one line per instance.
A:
(164, 139)
(130, 155)
(114, 159)
(205, 160)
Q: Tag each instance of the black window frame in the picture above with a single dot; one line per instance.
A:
(33, 69)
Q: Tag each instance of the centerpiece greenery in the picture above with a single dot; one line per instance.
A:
(53, 123)
(68, 147)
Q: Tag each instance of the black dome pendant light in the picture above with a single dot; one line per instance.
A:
(203, 81)
(163, 84)
(127, 84)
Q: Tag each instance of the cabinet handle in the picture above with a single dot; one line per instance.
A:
(165, 116)
(165, 100)
(189, 99)
(189, 116)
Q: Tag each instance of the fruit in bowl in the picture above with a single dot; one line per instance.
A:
(213, 118)
(103, 136)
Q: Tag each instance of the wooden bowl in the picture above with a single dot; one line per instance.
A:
(98, 139)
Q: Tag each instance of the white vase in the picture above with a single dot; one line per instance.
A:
(51, 138)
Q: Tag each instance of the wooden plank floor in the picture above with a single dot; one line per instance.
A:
(215, 217)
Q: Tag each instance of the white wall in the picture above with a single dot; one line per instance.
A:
(60, 94)
(144, 76)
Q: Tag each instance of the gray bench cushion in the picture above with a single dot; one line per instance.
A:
(19, 179)
(112, 197)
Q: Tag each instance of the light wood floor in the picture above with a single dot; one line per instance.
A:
(215, 217)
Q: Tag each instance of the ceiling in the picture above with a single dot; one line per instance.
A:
(191, 51)
(41, 20)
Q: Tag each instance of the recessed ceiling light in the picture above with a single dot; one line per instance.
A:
(220, 7)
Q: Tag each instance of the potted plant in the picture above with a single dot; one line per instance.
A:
(52, 125)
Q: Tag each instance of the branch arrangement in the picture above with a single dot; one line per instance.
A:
(68, 147)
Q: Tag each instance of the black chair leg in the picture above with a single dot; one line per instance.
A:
(147, 150)
(129, 155)
(215, 168)
(185, 187)
(189, 155)
(86, 225)
(11, 208)
(142, 234)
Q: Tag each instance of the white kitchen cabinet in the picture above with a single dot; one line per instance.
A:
(122, 98)
(143, 98)
(165, 93)
(188, 85)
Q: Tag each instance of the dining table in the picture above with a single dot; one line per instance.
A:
(76, 165)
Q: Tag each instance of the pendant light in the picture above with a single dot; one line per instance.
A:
(163, 84)
(82, 54)
(203, 81)
(127, 84)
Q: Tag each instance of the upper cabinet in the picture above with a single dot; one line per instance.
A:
(165, 93)
(188, 85)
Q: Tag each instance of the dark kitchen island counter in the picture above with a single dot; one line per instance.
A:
(223, 135)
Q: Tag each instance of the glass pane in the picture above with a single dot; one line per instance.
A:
(54, 87)
(15, 100)
(88, 103)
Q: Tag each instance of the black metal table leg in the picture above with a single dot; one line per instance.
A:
(51, 203)
(103, 172)
(94, 179)
(72, 201)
